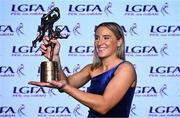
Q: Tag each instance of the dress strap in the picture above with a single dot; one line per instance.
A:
(120, 64)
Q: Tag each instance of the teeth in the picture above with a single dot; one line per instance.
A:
(101, 48)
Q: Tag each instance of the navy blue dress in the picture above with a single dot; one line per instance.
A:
(98, 85)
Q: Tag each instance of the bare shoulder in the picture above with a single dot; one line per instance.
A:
(86, 69)
(126, 70)
(127, 66)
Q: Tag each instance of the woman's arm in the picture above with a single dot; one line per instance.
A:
(123, 79)
(80, 78)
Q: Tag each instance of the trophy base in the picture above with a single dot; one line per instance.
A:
(49, 71)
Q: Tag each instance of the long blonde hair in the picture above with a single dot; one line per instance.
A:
(118, 32)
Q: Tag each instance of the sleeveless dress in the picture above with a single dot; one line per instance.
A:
(98, 85)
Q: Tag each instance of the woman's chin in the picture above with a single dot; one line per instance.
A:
(101, 56)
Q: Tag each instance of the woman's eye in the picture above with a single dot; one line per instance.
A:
(106, 38)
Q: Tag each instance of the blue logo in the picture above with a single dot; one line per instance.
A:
(9, 111)
(9, 30)
(76, 111)
(81, 50)
(132, 110)
(162, 91)
(58, 111)
(164, 9)
(147, 51)
(165, 111)
(19, 29)
(164, 30)
(146, 10)
(107, 8)
(163, 50)
(51, 6)
(132, 30)
(27, 9)
(89, 9)
(164, 71)
(141, 51)
(76, 29)
(33, 91)
(25, 51)
(9, 71)
(151, 91)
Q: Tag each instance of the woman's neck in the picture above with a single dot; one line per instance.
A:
(110, 63)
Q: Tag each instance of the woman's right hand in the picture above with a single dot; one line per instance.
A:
(46, 48)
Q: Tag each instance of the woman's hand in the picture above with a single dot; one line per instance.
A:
(46, 49)
(51, 84)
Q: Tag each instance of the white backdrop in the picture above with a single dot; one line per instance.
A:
(152, 35)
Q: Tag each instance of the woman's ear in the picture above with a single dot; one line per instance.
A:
(119, 42)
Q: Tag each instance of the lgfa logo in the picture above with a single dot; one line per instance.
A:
(25, 51)
(32, 91)
(81, 50)
(165, 111)
(151, 91)
(9, 111)
(9, 30)
(30, 9)
(89, 9)
(59, 111)
(164, 71)
(142, 51)
(146, 10)
(165, 30)
(9, 71)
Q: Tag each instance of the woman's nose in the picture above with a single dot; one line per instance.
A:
(100, 41)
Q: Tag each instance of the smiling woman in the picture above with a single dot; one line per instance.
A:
(112, 79)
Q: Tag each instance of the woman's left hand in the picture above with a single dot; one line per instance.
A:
(50, 84)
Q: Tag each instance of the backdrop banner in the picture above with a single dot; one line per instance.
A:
(152, 37)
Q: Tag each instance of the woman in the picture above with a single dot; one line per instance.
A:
(113, 80)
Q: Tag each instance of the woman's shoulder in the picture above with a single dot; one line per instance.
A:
(127, 64)
(87, 67)
(126, 67)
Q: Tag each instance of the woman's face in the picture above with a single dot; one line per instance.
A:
(106, 42)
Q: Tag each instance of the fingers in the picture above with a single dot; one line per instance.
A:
(44, 46)
(41, 84)
(47, 42)
(50, 84)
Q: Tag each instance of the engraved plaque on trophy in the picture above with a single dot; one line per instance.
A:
(49, 71)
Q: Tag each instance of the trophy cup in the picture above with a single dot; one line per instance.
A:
(49, 69)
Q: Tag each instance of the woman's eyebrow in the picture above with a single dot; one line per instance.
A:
(105, 35)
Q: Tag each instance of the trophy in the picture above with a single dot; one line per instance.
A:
(49, 69)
